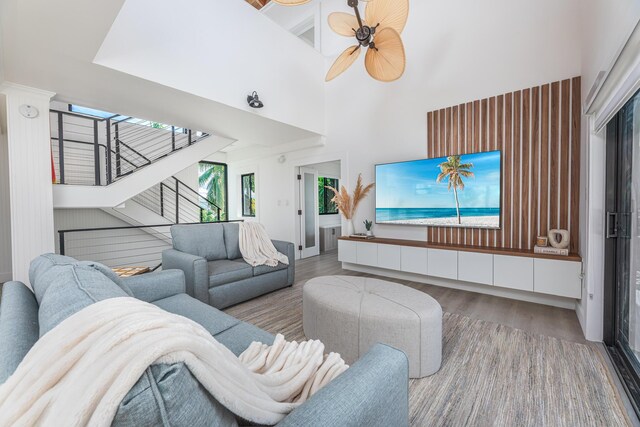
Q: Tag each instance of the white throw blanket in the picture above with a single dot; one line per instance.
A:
(256, 246)
(78, 373)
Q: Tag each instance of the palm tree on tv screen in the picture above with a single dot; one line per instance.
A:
(453, 171)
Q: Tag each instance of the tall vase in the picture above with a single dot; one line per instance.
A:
(349, 231)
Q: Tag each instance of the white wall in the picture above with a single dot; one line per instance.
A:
(5, 212)
(297, 19)
(220, 50)
(235, 172)
(189, 176)
(606, 26)
(456, 51)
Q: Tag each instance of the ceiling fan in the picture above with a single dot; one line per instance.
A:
(379, 31)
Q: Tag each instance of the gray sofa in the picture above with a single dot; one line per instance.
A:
(209, 255)
(373, 392)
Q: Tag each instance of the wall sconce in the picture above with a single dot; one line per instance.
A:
(254, 101)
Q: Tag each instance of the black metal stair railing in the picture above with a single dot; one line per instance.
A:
(178, 202)
(89, 150)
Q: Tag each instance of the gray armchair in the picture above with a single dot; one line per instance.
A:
(215, 273)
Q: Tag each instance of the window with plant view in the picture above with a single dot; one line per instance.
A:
(248, 194)
(326, 206)
(212, 179)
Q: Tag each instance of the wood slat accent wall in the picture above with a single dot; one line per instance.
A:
(538, 132)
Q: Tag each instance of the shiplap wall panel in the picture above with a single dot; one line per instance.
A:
(574, 205)
(538, 132)
(5, 212)
(30, 192)
(113, 248)
(507, 173)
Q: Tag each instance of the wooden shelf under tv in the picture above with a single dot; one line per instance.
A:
(465, 248)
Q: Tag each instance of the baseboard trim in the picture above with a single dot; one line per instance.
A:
(553, 301)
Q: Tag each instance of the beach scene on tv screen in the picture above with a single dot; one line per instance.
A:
(454, 191)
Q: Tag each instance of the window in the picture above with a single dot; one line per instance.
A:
(95, 113)
(248, 194)
(213, 189)
(326, 206)
(120, 118)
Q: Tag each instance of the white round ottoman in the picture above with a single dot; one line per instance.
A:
(349, 314)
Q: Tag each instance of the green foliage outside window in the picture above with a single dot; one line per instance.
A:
(248, 194)
(326, 206)
(213, 183)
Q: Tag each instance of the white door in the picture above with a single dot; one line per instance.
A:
(308, 213)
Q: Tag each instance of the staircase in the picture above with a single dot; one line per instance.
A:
(176, 202)
(101, 162)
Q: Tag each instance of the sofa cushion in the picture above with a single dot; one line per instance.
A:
(170, 395)
(226, 271)
(264, 269)
(65, 289)
(212, 319)
(203, 240)
(19, 329)
(232, 239)
(43, 263)
(40, 265)
(110, 274)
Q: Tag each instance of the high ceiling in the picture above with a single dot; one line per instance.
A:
(64, 63)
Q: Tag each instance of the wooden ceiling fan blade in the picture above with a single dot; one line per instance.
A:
(386, 61)
(387, 13)
(342, 23)
(343, 62)
(291, 2)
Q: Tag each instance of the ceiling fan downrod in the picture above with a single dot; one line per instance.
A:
(364, 34)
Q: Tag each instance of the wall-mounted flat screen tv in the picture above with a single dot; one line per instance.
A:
(454, 191)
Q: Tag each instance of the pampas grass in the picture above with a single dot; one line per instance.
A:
(347, 204)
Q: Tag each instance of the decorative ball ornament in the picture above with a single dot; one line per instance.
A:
(28, 111)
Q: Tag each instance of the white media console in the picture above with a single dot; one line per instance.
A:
(508, 269)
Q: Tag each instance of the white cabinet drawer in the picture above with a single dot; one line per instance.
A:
(442, 263)
(367, 254)
(347, 251)
(475, 267)
(513, 272)
(555, 277)
(414, 260)
(389, 257)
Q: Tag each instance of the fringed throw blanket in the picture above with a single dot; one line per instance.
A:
(257, 248)
(79, 372)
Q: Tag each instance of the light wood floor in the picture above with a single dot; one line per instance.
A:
(536, 318)
(534, 369)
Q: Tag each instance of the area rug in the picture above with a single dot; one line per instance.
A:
(491, 375)
(495, 375)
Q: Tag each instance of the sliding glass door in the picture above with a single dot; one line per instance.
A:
(622, 247)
